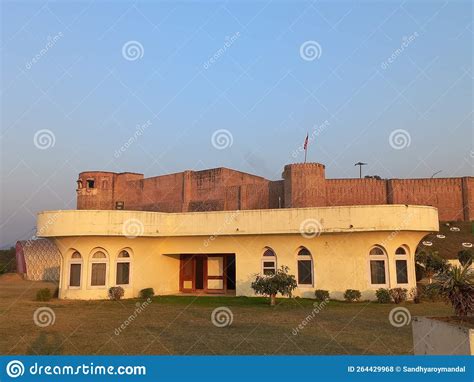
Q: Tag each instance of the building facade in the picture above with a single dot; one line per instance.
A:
(302, 185)
(220, 252)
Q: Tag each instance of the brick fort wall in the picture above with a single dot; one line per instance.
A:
(302, 185)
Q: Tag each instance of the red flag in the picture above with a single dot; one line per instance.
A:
(305, 146)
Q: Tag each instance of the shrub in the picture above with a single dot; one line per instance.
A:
(116, 293)
(456, 285)
(419, 272)
(280, 282)
(432, 263)
(7, 260)
(43, 294)
(352, 295)
(147, 293)
(398, 295)
(321, 295)
(415, 295)
(465, 257)
(430, 294)
(383, 295)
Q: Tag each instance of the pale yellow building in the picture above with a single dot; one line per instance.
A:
(331, 248)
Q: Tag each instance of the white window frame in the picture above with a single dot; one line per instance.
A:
(124, 260)
(267, 258)
(75, 261)
(404, 257)
(383, 257)
(304, 258)
(99, 261)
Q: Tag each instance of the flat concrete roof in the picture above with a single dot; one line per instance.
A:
(322, 220)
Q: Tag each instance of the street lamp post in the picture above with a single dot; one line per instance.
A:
(360, 164)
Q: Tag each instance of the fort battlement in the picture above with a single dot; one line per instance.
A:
(302, 185)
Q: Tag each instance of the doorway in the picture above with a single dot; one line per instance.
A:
(207, 273)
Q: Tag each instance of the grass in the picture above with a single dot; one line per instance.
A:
(182, 325)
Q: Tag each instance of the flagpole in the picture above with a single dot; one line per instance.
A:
(305, 152)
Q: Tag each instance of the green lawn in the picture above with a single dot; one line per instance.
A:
(182, 325)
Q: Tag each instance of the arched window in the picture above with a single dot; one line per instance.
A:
(401, 265)
(99, 269)
(269, 263)
(400, 251)
(123, 268)
(75, 270)
(305, 267)
(378, 266)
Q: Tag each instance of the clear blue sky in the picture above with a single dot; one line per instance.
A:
(378, 67)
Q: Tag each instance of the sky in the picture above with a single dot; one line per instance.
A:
(162, 87)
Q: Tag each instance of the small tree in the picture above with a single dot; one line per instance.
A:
(456, 285)
(281, 282)
(432, 263)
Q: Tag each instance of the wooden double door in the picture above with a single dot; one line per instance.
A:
(207, 273)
